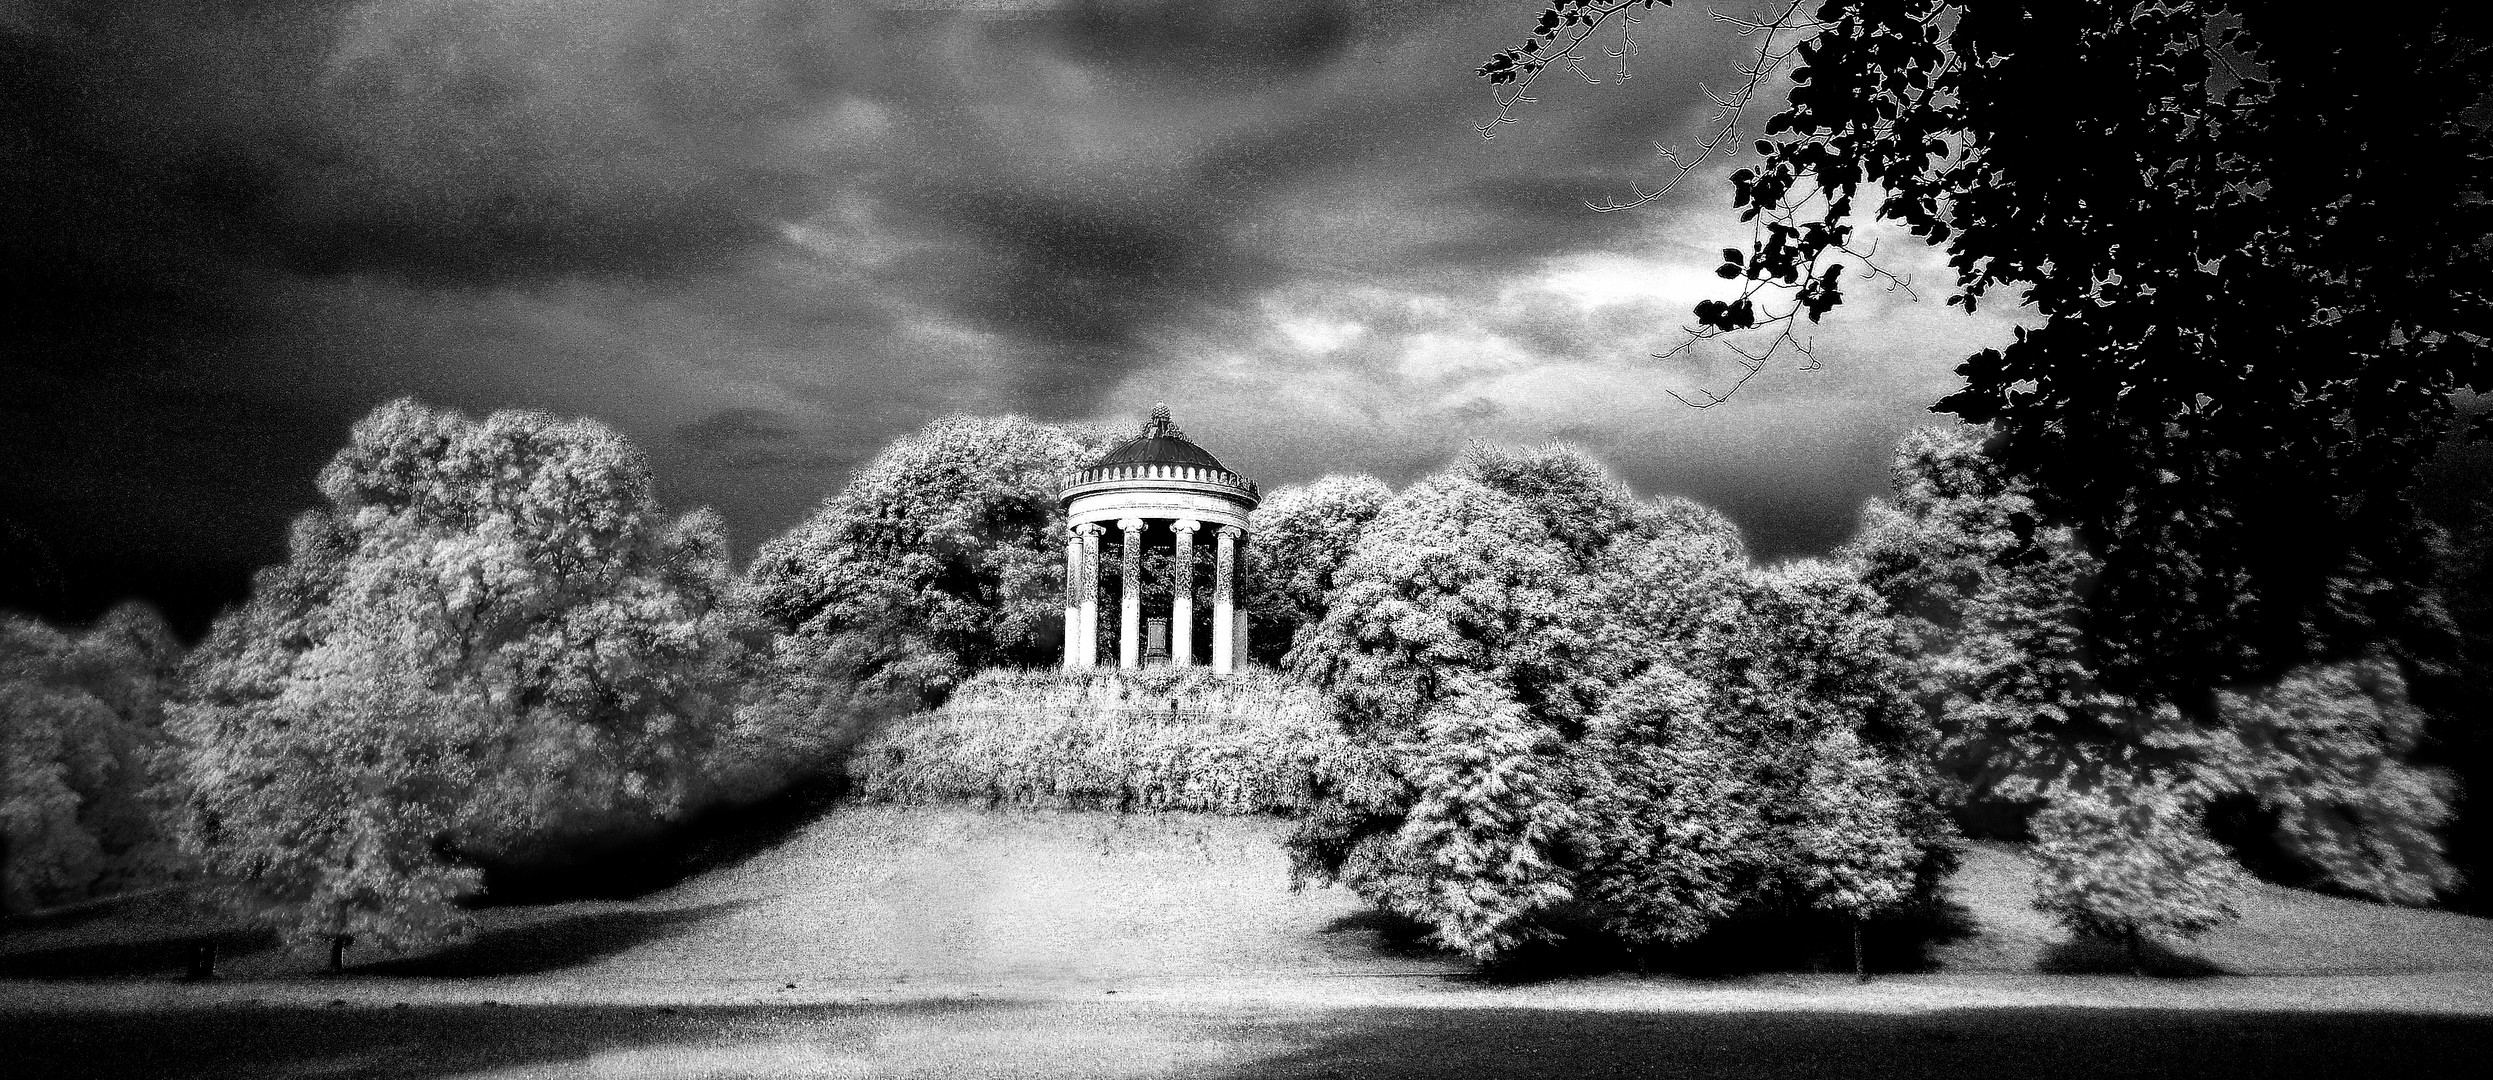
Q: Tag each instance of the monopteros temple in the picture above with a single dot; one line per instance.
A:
(1160, 492)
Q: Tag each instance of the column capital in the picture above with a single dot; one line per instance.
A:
(1088, 528)
(1131, 524)
(1185, 525)
(1232, 532)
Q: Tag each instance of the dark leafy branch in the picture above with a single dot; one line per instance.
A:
(1798, 265)
(2253, 246)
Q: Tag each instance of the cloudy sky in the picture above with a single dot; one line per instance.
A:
(763, 237)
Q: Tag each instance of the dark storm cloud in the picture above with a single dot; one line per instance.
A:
(452, 143)
(1087, 275)
(1232, 43)
(734, 428)
(761, 236)
(467, 144)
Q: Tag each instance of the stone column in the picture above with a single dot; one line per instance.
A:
(1182, 595)
(1239, 590)
(1130, 596)
(1224, 613)
(1090, 592)
(1073, 598)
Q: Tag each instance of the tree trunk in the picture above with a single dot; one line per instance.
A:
(337, 952)
(2137, 960)
(1860, 970)
(202, 960)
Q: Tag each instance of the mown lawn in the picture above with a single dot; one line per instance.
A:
(954, 941)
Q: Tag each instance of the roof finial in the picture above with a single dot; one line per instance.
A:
(1161, 427)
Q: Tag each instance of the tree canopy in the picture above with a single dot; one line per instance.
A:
(1302, 536)
(943, 556)
(1559, 697)
(490, 640)
(2253, 243)
(1990, 600)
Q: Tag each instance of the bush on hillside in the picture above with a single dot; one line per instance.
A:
(81, 734)
(1147, 739)
(2128, 858)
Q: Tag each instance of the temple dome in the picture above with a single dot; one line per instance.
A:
(1161, 444)
(1161, 450)
(1158, 474)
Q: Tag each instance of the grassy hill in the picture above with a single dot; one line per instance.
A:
(965, 899)
(944, 941)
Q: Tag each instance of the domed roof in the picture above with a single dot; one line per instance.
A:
(1161, 444)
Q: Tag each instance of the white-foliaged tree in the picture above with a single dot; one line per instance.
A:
(491, 642)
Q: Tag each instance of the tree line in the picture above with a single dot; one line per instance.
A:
(1563, 707)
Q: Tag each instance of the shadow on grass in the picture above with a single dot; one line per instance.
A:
(2088, 956)
(637, 866)
(400, 1043)
(549, 944)
(2030, 1043)
(166, 952)
(1083, 1040)
(1395, 935)
(1792, 942)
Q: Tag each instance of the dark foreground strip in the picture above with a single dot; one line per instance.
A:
(1086, 1040)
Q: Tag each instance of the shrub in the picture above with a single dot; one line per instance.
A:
(2327, 750)
(2127, 858)
(1145, 739)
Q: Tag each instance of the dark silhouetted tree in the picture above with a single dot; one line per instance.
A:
(1991, 599)
(81, 731)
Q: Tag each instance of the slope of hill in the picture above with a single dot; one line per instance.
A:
(2282, 932)
(936, 900)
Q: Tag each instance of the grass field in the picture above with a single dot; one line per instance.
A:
(889, 940)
